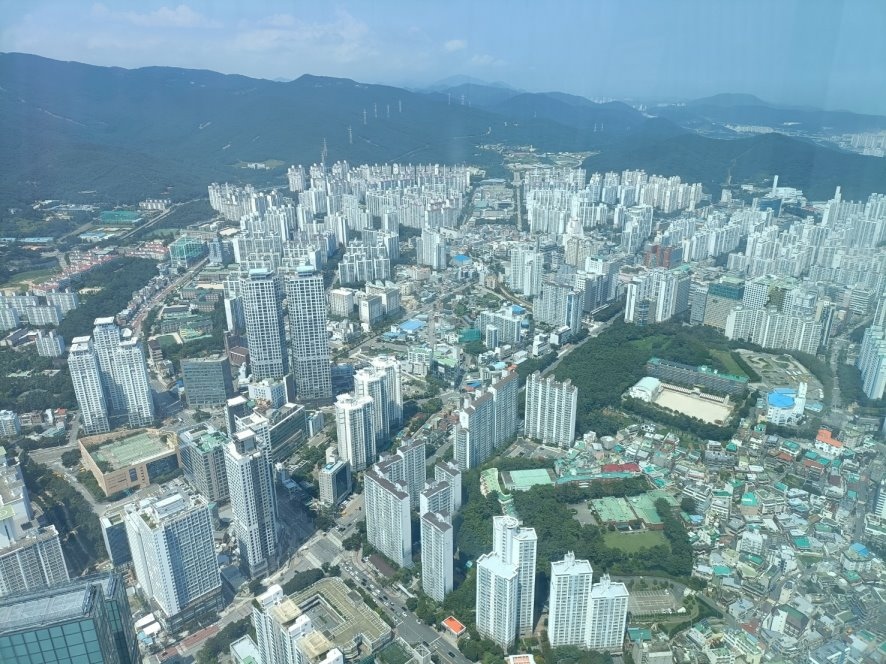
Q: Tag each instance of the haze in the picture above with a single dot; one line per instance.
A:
(810, 52)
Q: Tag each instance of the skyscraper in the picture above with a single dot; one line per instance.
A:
(607, 616)
(106, 336)
(355, 426)
(207, 380)
(87, 379)
(448, 471)
(202, 452)
(436, 554)
(115, 362)
(254, 503)
(551, 407)
(311, 359)
(381, 381)
(174, 557)
(131, 373)
(506, 582)
(486, 423)
(569, 602)
(388, 525)
(406, 466)
(260, 291)
(85, 620)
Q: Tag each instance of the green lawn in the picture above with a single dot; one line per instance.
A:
(728, 362)
(631, 542)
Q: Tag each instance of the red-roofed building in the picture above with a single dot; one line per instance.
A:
(621, 468)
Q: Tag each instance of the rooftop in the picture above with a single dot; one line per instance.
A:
(129, 451)
(51, 605)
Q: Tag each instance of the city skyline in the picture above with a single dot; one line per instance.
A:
(828, 56)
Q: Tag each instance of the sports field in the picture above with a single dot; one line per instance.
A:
(631, 542)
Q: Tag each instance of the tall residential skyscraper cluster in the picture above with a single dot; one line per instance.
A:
(551, 407)
(110, 378)
(393, 488)
(506, 583)
(368, 417)
(582, 613)
(486, 422)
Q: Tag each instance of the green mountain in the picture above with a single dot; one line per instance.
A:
(714, 162)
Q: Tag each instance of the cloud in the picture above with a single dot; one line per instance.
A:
(455, 45)
(344, 39)
(486, 60)
(181, 16)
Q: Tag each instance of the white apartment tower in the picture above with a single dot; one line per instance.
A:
(311, 359)
(527, 268)
(388, 525)
(110, 377)
(253, 502)
(506, 582)
(381, 381)
(608, 615)
(106, 339)
(436, 554)
(447, 471)
(260, 291)
(174, 556)
(131, 372)
(355, 426)
(551, 408)
(570, 601)
(87, 379)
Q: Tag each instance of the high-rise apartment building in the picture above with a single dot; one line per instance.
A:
(86, 377)
(173, 555)
(311, 358)
(871, 361)
(526, 270)
(131, 371)
(355, 426)
(506, 583)
(551, 408)
(110, 377)
(253, 502)
(447, 471)
(486, 422)
(436, 554)
(607, 618)
(406, 466)
(435, 497)
(335, 481)
(569, 601)
(388, 525)
(381, 381)
(430, 249)
(30, 555)
(87, 620)
(202, 452)
(262, 297)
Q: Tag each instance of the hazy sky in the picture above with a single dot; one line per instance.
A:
(810, 52)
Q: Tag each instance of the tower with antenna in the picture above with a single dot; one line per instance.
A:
(388, 108)
(364, 117)
(323, 154)
(399, 105)
(350, 135)
(375, 110)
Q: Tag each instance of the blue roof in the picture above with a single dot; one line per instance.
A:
(461, 258)
(781, 398)
(412, 325)
(517, 309)
(860, 549)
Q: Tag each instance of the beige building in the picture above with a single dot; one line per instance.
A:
(132, 460)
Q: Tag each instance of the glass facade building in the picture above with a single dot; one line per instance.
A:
(85, 622)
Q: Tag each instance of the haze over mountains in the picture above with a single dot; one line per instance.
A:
(67, 127)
